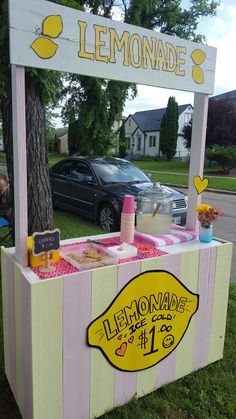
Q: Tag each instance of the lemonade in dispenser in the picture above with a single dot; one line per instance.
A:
(154, 210)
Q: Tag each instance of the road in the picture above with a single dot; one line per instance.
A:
(224, 227)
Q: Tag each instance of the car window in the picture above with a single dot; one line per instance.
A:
(81, 172)
(123, 172)
(63, 168)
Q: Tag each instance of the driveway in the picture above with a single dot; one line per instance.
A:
(224, 227)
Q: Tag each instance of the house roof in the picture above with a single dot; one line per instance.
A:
(226, 95)
(60, 132)
(151, 120)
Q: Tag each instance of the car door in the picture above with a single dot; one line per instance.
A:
(83, 187)
(75, 187)
(60, 181)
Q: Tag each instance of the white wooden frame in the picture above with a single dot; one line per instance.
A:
(20, 165)
(19, 129)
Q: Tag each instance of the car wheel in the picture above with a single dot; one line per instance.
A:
(108, 218)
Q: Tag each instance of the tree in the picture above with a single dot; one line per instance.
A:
(42, 88)
(224, 156)
(221, 124)
(169, 129)
(122, 141)
(73, 137)
(50, 130)
(96, 103)
(99, 102)
(169, 17)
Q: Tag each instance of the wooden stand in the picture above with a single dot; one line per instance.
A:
(52, 371)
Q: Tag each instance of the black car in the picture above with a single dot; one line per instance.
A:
(94, 187)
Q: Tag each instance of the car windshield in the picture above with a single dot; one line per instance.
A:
(118, 172)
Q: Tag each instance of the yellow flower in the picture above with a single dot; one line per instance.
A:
(203, 207)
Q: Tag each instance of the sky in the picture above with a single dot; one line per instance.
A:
(220, 32)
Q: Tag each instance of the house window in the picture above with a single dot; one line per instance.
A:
(139, 144)
(128, 142)
(187, 118)
(152, 141)
(129, 122)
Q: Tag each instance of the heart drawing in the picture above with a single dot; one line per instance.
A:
(122, 349)
(200, 184)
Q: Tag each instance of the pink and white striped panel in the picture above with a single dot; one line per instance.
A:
(177, 235)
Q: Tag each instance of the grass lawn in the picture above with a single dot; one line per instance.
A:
(2, 157)
(206, 394)
(223, 182)
(176, 166)
(72, 225)
(227, 183)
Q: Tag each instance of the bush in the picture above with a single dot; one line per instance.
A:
(224, 156)
(144, 158)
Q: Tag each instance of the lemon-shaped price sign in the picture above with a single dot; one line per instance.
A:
(145, 322)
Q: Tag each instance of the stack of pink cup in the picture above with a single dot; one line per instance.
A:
(127, 220)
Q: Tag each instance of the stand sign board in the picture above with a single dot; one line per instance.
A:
(50, 36)
(145, 322)
(47, 241)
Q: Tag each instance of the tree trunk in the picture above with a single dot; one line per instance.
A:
(6, 113)
(40, 212)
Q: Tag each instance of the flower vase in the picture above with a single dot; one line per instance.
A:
(206, 232)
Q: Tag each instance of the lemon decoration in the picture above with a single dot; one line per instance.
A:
(198, 56)
(198, 74)
(44, 48)
(145, 322)
(52, 26)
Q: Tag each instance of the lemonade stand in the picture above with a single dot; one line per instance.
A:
(85, 341)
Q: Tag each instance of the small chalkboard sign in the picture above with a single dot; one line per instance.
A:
(47, 241)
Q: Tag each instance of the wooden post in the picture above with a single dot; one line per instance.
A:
(20, 166)
(197, 155)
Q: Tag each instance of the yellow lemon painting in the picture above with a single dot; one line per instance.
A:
(145, 322)
(44, 48)
(198, 74)
(52, 27)
(198, 56)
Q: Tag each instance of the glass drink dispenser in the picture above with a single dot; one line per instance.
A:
(154, 210)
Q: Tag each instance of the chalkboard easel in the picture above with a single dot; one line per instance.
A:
(43, 244)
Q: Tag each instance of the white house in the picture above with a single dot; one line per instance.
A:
(142, 132)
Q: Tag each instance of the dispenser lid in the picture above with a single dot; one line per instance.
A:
(155, 193)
